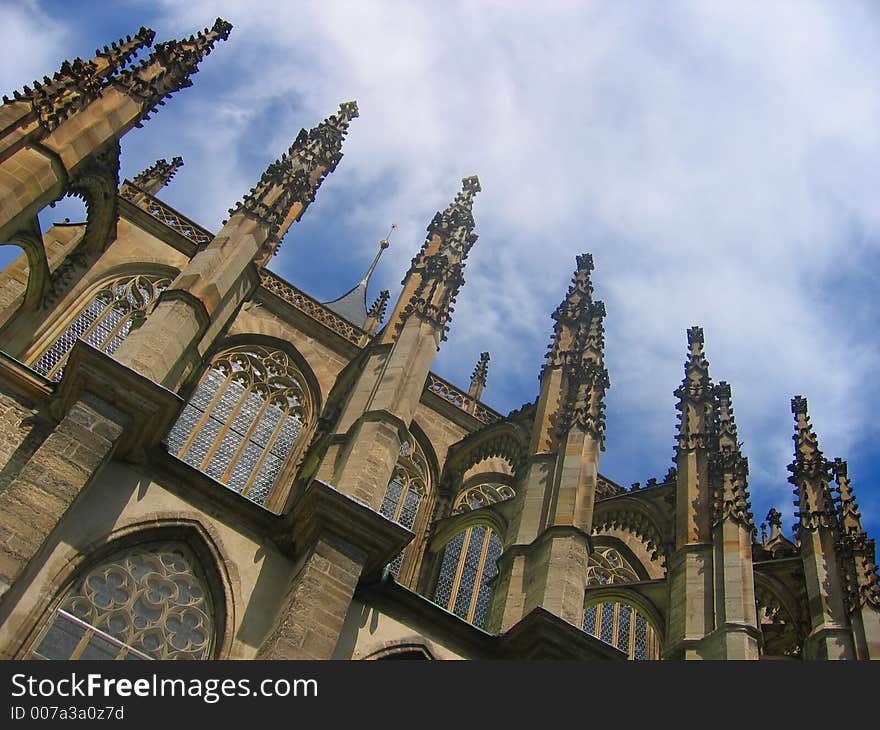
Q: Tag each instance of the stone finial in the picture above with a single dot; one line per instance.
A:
(847, 508)
(157, 175)
(455, 225)
(110, 59)
(857, 549)
(376, 312)
(579, 321)
(439, 270)
(169, 67)
(728, 468)
(695, 397)
(378, 307)
(478, 377)
(78, 82)
(322, 145)
(810, 474)
(578, 347)
(295, 177)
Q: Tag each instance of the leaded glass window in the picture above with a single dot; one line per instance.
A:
(468, 566)
(406, 493)
(482, 495)
(118, 307)
(244, 419)
(607, 566)
(617, 623)
(622, 626)
(149, 602)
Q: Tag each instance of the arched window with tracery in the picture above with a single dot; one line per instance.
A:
(245, 419)
(147, 602)
(481, 495)
(469, 564)
(615, 622)
(104, 322)
(406, 493)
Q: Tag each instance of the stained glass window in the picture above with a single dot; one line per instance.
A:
(105, 321)
(482, 495)
(149, 602)
(244, 419)
(624, 627)
(617, 623)
(468, 566)
(406, 494)
(607, 566)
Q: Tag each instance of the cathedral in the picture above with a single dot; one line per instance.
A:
(199, 460)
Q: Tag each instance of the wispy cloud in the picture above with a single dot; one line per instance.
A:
(720, 161)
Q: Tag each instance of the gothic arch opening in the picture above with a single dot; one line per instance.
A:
(613, 613)
(104, 316)
(468, 568)
(247, 421)
(408, 500)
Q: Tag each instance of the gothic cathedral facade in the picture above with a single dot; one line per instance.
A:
(200, 460)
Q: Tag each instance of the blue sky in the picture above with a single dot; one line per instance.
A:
(720, 160)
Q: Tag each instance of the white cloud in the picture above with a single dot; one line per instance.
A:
(31, 43)
(720, 161)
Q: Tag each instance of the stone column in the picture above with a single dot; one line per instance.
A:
(737, 634)
(201, 301)
(51, 480)
(51, 132)
(380, 406)
(545, 565)
(334, 541)
(690, 569)
(818, 529)
(105, 411)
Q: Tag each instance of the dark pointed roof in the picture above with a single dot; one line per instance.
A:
(353, 304)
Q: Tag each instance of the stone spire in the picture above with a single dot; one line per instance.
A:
(116, 56)
(437, 271)
(376, 312)
(728, 467)
(810, 474)
(78, 82)
(574, 316)
(847, 510)
(578, 347)
(157, 175)
(855, 544)
(455, 225)
(478, 377)
(695, 396)
(289, 184)
(169, 68)
(774, 519)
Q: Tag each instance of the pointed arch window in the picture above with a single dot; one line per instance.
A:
(245, 420)
(406, 493)
(615, 622)
(119, 306)
(482, 495)
(469, 564)
(149, 602)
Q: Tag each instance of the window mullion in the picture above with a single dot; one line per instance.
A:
(206, 414)
(63, 359)
(224, 429)
(270, 442)
(478, 580)
(247, 434)
(459, 568)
